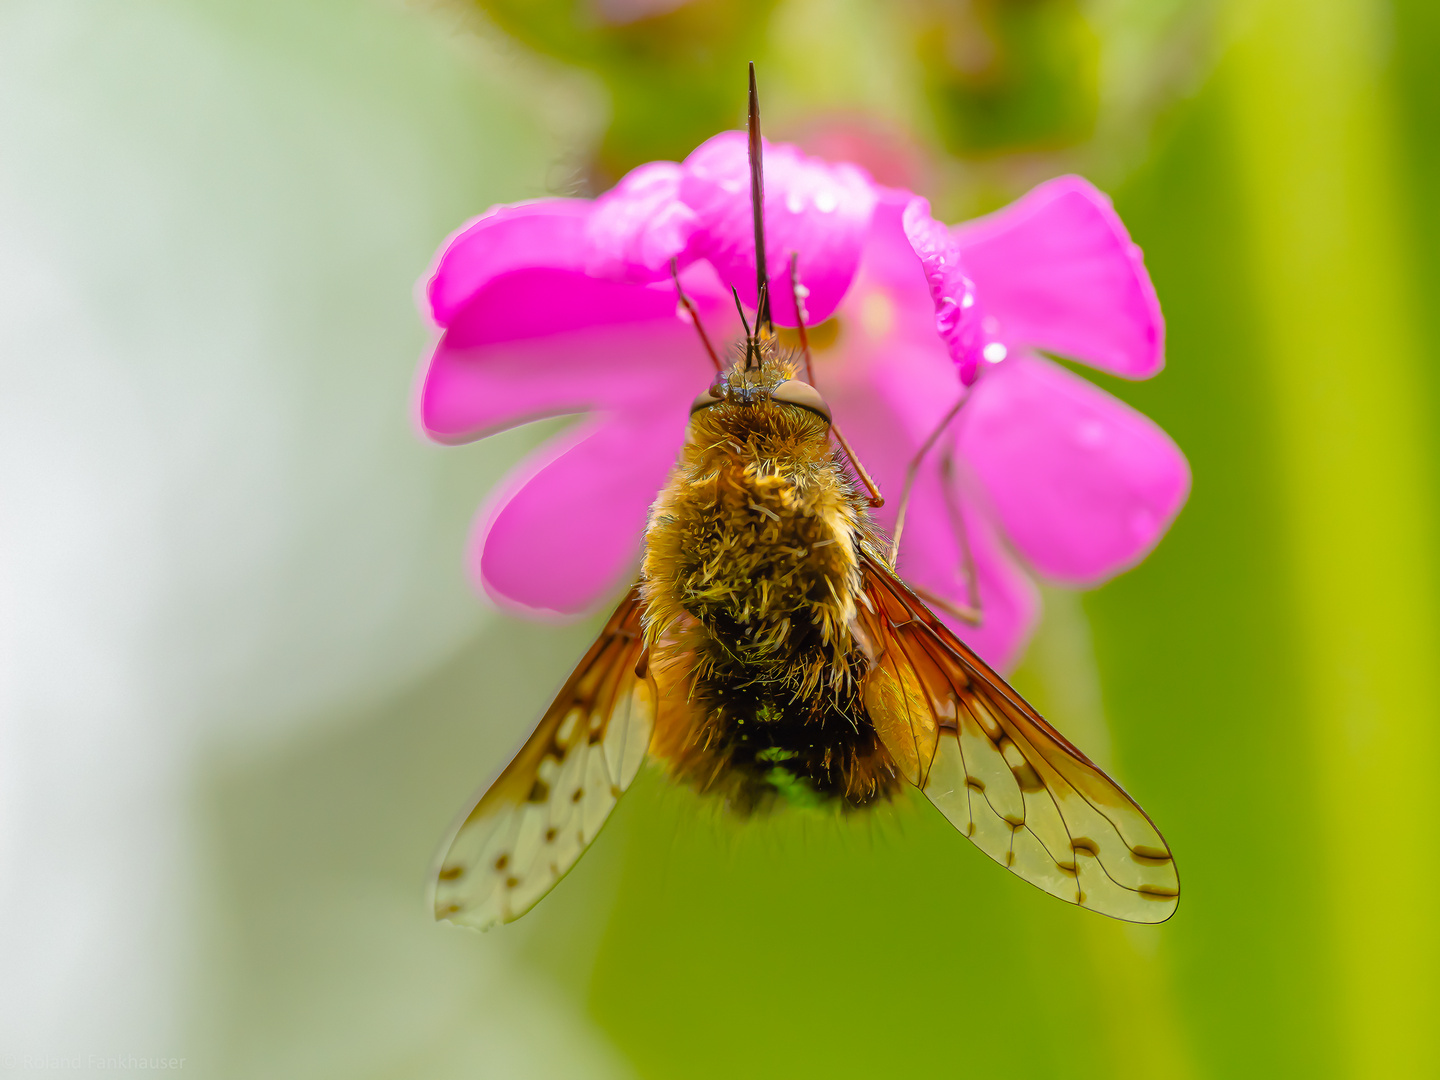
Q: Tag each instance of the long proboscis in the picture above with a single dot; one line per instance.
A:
(757, 205)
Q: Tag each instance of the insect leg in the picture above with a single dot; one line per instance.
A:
(689, 307)
(796, 294)
(914, 469)
(964, 612)
(876, 499)
(971, 612)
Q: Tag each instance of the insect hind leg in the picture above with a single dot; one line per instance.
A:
(971, 611)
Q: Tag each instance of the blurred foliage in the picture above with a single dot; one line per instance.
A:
(1008, 74)
(966, 78)
(671, 75)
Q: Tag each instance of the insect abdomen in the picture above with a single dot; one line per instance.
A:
(756, 742)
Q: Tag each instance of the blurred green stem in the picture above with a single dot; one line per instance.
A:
(1312, 116)
(1143, 1032)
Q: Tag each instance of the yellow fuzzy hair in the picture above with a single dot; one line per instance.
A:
(750, 580)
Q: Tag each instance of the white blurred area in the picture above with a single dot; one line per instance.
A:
(221, 542)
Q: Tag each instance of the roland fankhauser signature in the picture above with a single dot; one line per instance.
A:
(770, 654)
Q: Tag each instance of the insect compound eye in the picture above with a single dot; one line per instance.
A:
(714, 395)
(802, 395)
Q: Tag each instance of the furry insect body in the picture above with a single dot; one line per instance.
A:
(751, 577)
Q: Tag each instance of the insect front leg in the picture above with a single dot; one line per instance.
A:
(913, 470)
(798, 294)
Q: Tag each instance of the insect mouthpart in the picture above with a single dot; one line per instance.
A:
(745, 394)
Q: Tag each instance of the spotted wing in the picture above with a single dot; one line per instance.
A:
(536, 819)
(1001, 774)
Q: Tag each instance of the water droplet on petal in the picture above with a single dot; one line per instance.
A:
(947, 315)
(826, 202)
(994, 352)
(967, 301)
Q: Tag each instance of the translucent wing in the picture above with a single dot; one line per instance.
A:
(1002, 775)
(547, 806)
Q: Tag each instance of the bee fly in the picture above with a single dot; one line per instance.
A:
(770, 653)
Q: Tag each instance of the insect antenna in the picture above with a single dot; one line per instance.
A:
(757, 205)
(694, 317)
(736, 293)
(752, 346)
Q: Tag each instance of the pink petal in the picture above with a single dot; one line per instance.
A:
(471, 392)
(547, 232)
(638, 226)
(538, 302)
(564, 534)
(931, 560)
(957, 318)
(889, 381)
(1056, 270)
(1084, 485)
(819, 211)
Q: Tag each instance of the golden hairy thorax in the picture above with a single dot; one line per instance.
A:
(752, 569)
(754, 535)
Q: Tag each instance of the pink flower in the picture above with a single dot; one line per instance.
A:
(565, 306)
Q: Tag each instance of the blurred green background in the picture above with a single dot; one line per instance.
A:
(244, 687)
